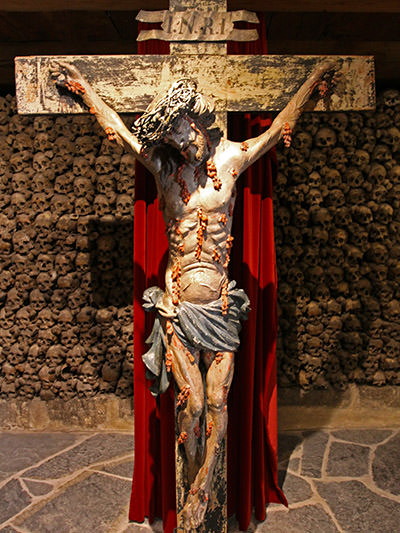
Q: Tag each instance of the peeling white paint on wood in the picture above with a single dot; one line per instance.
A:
(236, 83)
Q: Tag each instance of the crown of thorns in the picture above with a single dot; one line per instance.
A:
(160, 116)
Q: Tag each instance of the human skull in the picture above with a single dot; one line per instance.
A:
(317, 159)
(63, 147)
(81, 167)
(325, 138)
(42, 124)
(356, 196)
(58, 299)
(82, 206)
(106, 186)
(69, 338)
(293, 236)
(384, 214)
(391, 137)
(45, 319)
(315, 274)
(55, 355)
(63, 184)
(362, 214)
(64, 264)
(75, 300)
(85, 318)
(82, 262)
(83, 187)
(359, 237)
(301, 217)
(283, 216)
(18, 203)
(39, 202)
(383, 121)
(20, 161)
(378, 232)
(378, 253)
(22, 244)
(42, 142)
(61, 204)
(378, 273)
(23, 318)
(338, 158)
(368, 139)
(126, 185)
(348, 140)
(335, 199)
(101, 205)
(338, 121)
(42, 184)
(86, 144)
(391, 98)
(42, 162)
(361, 159)
(314, 197)
(37, 300)
(104, 165)
(382, 155)
(111, 149)
(127, 165)
(45, 262)
(394, 174)
(333, 178)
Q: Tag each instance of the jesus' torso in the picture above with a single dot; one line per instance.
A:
(197, 204)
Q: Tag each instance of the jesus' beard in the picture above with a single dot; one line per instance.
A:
(197, 151)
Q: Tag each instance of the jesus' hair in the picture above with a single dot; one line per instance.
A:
(182, 98)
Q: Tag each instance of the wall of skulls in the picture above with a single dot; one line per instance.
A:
(337, 203)
(66, 207)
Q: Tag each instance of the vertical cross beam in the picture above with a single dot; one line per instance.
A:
(216, 515)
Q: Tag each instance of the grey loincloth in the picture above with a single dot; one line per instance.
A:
(198, 326)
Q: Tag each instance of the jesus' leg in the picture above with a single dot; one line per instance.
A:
(190, 400)
(219, 379)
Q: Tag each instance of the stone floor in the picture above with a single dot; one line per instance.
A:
(336, 480)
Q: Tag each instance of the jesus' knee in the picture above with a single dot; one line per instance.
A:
(217, 398)
(195, 404)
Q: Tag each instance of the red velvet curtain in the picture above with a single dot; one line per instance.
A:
(252, 430)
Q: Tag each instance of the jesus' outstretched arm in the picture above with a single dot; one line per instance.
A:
(68, 76)
(282, 126)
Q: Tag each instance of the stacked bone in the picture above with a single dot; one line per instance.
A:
(337, 219)
(66, 200)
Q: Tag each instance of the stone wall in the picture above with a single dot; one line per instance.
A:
(66, 206)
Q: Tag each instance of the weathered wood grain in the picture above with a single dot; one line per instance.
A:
(236, 83)
(216, 519)
(198, 25)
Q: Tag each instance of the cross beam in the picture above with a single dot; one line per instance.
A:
(236, 83)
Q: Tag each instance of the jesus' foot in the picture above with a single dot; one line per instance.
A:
(195, 508)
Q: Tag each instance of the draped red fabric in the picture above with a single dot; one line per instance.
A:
(252, 430)
(153, 486)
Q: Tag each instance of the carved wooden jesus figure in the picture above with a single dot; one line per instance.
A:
(197, 326)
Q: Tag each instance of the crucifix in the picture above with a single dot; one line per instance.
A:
(181, 138)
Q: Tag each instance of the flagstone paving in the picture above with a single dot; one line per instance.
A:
(338, 480)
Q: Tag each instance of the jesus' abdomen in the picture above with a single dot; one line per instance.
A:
(199, 252)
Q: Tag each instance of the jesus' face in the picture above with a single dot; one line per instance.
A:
(189, 139)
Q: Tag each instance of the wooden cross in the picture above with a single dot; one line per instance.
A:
(198, 31)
